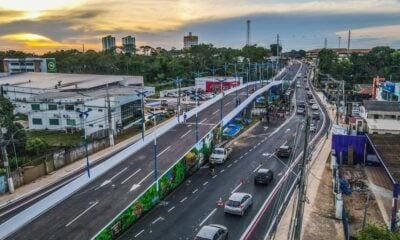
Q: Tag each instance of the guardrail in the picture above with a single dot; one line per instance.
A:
(29, 214)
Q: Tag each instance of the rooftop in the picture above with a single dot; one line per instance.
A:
(387, 147)
(371, 105)
(64, 81)
(89, 94)
(383, 124)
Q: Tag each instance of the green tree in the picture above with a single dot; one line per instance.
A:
(37, 145)
(373, 232)
(274, 49)
(327, 61)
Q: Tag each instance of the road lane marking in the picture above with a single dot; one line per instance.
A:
(169, 210)
(138, 234)
(226, 104)
(205, 183)
(245, 153)
(230, 165)
(255, 170)
(163, 151)
(110, 180)
(158, 219)
(208, 216)
(205, 119)
(195, 190)
(236, 188)
(266, 154)
(133, 174)
(287, 130)
(80, 215)
(223, 170)
(215, 112)
(235, 161)
(215, 176)
(241, 157)
(184, 199)
(136, 185)
(184, 135)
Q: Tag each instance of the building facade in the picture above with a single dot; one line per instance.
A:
(381, 117)
(211, 84)
(18, 65)
(128, 44)
(54, 101)
(190, 40)
(108, 43)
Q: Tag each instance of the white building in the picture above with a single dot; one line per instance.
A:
(53, 101)
(381, 117)
(18, 65)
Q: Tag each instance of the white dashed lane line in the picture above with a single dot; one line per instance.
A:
(138, 234)
(184, 199)
(194, 191)
(169, 210)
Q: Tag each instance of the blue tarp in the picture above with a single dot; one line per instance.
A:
(232, 129)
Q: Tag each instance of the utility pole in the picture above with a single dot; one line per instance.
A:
(301, 199)
(248, 33)
(365, 211)
(348, 44)
(325, 43)
(5, 161)
(340, 40)
(277, 50)
(110, 127)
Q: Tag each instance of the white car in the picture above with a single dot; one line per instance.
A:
(312, 127)
(314, 107)
(238, 203)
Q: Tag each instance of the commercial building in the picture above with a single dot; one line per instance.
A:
(387, 91)
(212, 84)
(341, 52)
(18, 65)
(190, 40)
(381, 117)
(128, 44)
(55, 101)
(108, 43)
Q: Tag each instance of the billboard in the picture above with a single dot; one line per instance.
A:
(51, 65)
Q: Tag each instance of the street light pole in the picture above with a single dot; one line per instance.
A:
(155, 151)
(142, 94)
(198, 74)
(178, 81)
(222, 102)
(84, 114)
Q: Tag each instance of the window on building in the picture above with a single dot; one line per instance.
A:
(71, 122)
(52, 107)
(69, 107)
(54, 121)
(90, 125)
(35, 107)
(100, 126)
(100, 110)
(36, 121)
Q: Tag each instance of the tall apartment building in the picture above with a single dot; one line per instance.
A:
(190, 40)
(128, 44)
(108, 43)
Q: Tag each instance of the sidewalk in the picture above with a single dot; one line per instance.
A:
(53, 177)
(319, 214)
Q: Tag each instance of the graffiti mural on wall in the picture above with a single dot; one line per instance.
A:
(167, 183)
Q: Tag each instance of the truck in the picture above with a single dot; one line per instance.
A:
(220, 155)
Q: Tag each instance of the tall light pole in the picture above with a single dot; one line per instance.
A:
(142, 94)
(155, 150)
(178, 82)
(198, 74)
(213, 70)
(85, 114)
(5, 159)
(221, 81)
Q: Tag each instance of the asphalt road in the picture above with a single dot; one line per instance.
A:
(194, 204)
(88, 210)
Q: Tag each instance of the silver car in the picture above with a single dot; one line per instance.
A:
(212, 232)
(238, 203)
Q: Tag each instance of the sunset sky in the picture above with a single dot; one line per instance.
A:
(44, 25)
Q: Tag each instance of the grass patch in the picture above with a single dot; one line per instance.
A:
(57, 139)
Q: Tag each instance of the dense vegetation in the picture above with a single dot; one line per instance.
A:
(155, 64)
(361, 68)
